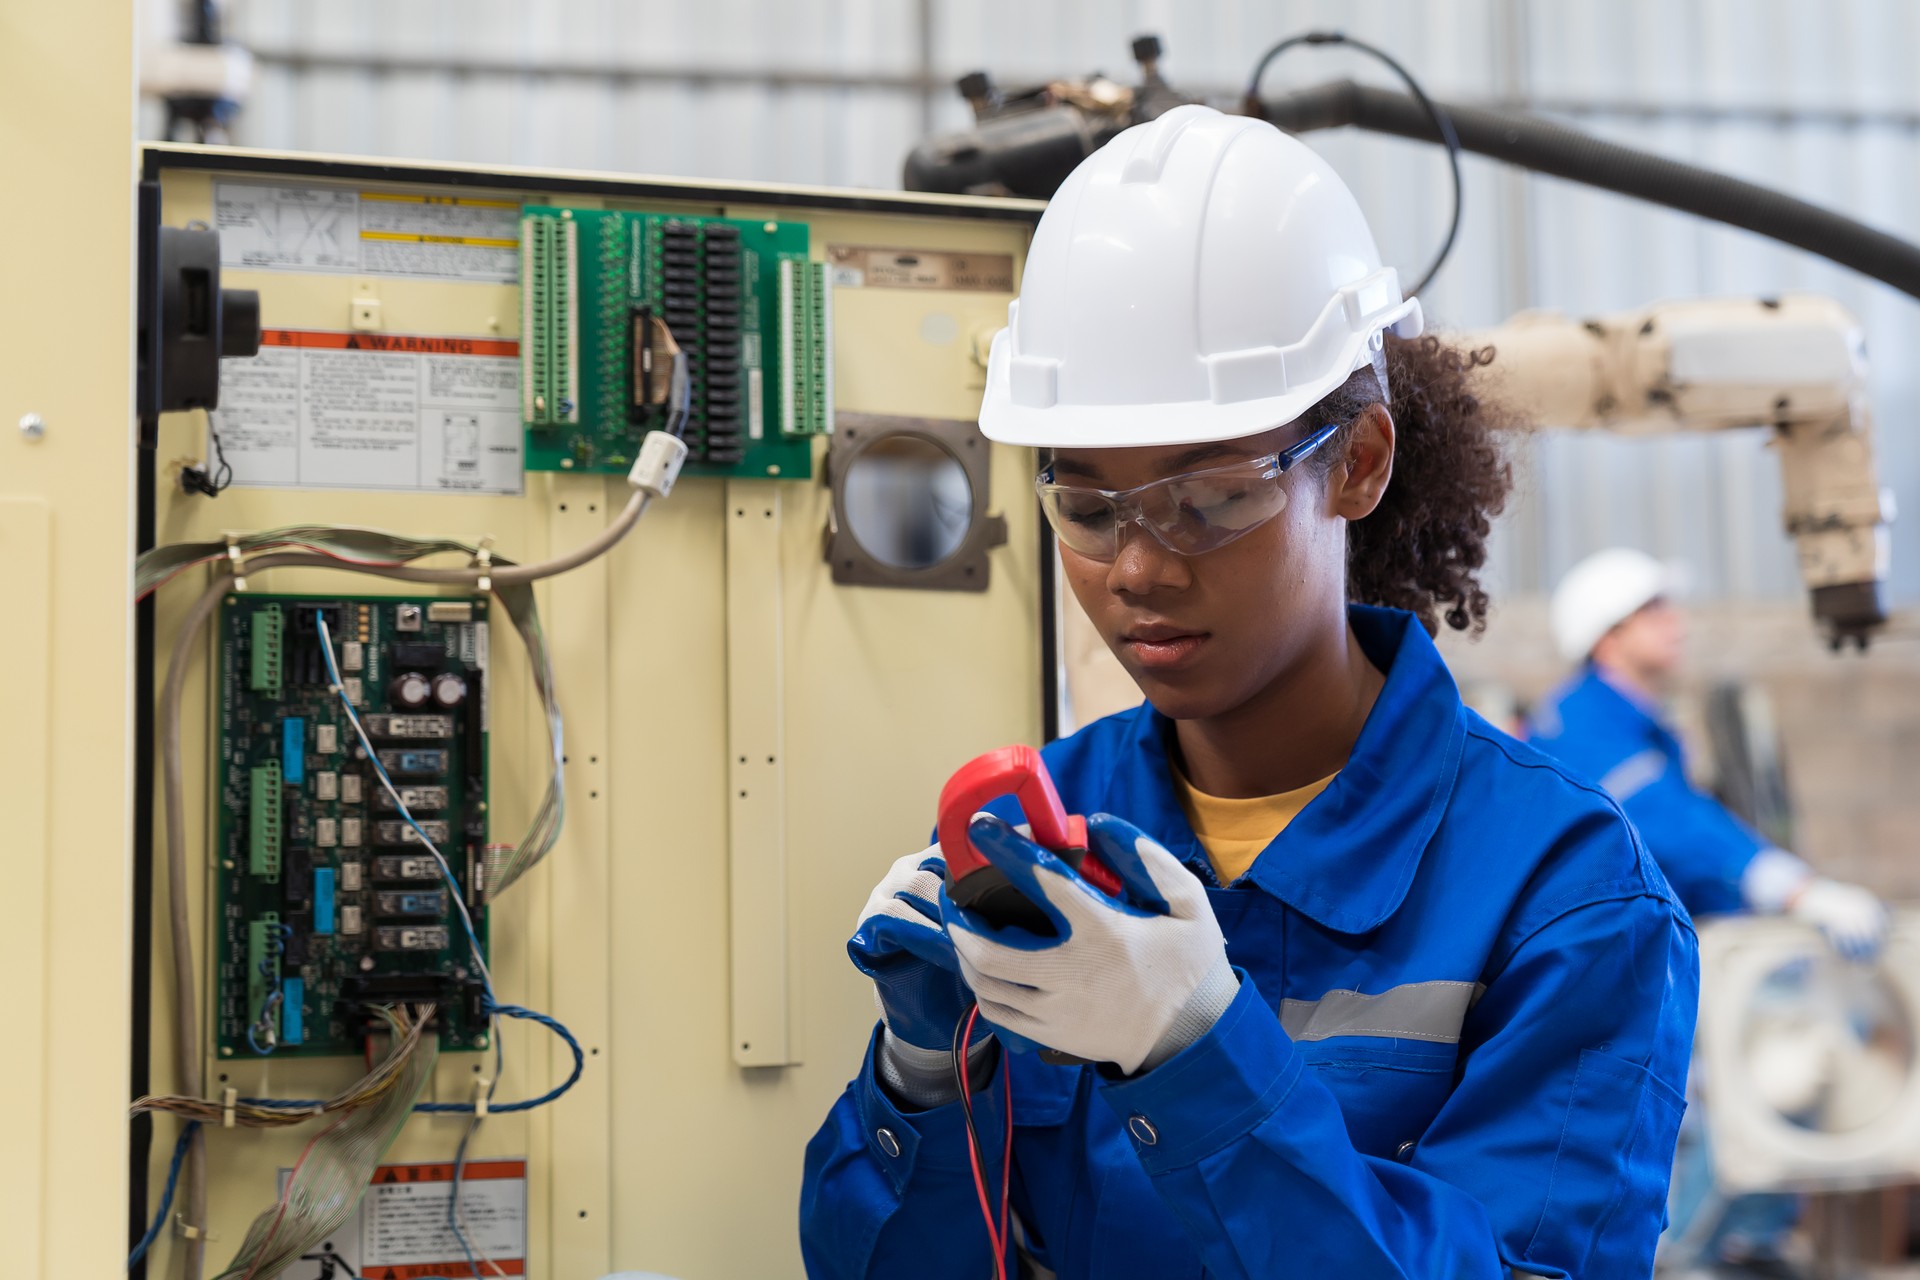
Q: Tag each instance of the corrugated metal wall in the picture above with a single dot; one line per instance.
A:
(1816, 99)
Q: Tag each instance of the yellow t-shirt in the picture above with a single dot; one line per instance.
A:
(1234, 831)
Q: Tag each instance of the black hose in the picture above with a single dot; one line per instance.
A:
(1437, 115)
(1533, 142)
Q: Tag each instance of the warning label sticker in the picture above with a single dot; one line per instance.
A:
(401, 1229)
(323, 410)
(270, 227)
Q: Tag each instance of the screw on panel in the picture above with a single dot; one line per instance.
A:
(33, 426)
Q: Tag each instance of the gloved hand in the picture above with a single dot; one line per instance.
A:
(1131, 983)
(900, 944)
(1853, 919)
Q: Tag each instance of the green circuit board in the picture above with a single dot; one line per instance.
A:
(328, 903)
(740, 299)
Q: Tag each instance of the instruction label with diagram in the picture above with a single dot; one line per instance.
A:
(340, 230)
(400, 1231)
(324, 410)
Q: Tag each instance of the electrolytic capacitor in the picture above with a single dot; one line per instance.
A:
(449, 690)
(409, 691)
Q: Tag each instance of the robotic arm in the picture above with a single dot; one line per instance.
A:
(1795, 364)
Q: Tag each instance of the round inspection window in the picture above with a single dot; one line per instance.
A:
(1829, 1045)
(908, 502)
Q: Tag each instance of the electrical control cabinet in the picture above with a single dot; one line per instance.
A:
(329, 903)
(746, 742)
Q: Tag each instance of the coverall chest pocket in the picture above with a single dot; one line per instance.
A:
(1389, 1091)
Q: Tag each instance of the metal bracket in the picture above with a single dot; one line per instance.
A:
(966, 566)
(756, 798)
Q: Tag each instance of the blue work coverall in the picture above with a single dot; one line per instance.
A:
(1602, 733)
(1458, 1050)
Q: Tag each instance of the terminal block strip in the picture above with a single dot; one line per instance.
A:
(549, 321)
(806, 339)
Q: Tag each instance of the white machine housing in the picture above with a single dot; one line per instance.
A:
(1757, 1148)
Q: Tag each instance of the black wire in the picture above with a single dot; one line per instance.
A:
(962, 1078)
(1442, 123)
(962, 1081)
(196, 479)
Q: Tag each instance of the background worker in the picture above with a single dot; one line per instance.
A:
(1614, 614)
(1387, 993)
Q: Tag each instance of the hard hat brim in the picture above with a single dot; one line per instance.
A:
(1134, 426)
(1084, 425)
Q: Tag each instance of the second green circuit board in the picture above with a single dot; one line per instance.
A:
(328, 902)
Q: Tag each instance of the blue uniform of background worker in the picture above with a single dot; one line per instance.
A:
(1387, 993)
(1613, 614)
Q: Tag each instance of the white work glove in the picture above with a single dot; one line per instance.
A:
(1853, 919)
(1128, 982)
(900, 944)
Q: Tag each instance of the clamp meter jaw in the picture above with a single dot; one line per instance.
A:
(976, 884)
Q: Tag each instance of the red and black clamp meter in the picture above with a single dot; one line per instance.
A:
(978, 885)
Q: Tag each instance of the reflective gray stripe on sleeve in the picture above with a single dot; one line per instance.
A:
(1417, 1011)
(1634, 774)
(1517, 1274)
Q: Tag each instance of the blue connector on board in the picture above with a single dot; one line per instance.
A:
(293, 750)
(293, 1013)
(323, 878)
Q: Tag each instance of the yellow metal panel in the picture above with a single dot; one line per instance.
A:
(669, 1156)
(26, 548)
(67, 104)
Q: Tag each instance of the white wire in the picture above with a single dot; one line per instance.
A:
(373, 757)
(453, 890)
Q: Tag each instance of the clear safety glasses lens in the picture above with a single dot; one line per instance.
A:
(1192, 513)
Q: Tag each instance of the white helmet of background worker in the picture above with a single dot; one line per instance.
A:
(1603, 591)
(1201, 277)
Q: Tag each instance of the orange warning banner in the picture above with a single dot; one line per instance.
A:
(408, 343)
(475, 1171)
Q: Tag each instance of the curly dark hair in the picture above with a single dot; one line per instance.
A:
(1423, 547)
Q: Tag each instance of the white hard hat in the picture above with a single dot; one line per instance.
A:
(1201, 277)
(1603, 591)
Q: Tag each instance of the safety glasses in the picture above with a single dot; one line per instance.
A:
(1191, 513)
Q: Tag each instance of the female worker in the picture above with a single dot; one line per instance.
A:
(1388, 993)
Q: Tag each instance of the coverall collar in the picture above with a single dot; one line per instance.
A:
(1347, 860)
(1629, 706)
(1645, 703)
